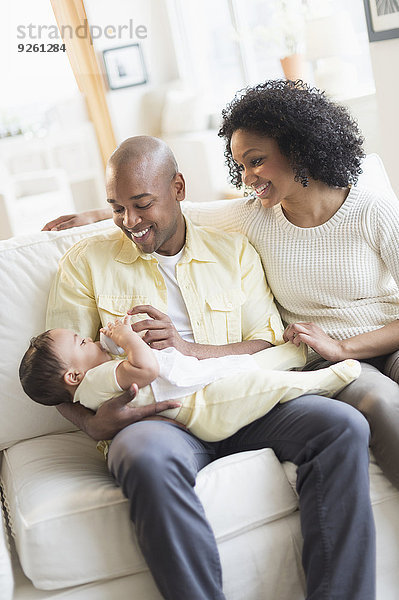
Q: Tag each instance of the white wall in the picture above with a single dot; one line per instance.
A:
(136, 110)
(385, 61)
(28, 77)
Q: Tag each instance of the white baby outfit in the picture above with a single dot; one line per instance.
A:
(218, 395)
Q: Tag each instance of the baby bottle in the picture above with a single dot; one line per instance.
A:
(109, 345)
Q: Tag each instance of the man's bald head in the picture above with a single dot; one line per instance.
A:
(145, 189)
(145, 154)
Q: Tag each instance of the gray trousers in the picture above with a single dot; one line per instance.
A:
(156, 463)
(376, 395)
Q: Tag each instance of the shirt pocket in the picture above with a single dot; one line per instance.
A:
(115, 307)
(224, 310)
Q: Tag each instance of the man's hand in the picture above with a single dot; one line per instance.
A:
(113, 415)
(159, 330)
(316, 338)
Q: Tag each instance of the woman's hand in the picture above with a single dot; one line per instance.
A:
(159, 330)
(78, 219)
(316, 338)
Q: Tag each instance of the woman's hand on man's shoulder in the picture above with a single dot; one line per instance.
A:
(78, 219)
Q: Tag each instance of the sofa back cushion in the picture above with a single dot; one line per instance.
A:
(27, 267)
(374, 175)
(6, 576)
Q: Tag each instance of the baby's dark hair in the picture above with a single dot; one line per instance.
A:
(41, 372)
(319, 137)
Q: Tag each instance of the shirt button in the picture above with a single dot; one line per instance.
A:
(229, 305)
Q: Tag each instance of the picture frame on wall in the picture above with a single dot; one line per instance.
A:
(382, 18)
(125, 66)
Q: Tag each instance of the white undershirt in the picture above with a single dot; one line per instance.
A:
(177, 310)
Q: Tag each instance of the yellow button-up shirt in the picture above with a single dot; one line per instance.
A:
(220, 277)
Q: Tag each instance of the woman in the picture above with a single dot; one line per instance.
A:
(328, 249)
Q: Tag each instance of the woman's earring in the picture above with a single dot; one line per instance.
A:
(304, 180)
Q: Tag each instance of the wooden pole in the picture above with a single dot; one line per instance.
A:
(71, 14)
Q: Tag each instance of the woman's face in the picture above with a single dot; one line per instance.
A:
(264, 168)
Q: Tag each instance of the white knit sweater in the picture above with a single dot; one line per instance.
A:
(342, 275)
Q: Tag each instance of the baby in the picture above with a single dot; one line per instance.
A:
(218, 395)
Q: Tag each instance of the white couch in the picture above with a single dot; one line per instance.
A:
(68, 533)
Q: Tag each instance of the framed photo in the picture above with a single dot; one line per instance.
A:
(125, 66)
(382, 18)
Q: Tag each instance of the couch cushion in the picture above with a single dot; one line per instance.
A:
(27, 267)
(71, 522)
(381, 490)
(6, 577)
(375, 176)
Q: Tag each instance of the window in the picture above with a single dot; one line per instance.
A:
(226, 45)
(32, 82)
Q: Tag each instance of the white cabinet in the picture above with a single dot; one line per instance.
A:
(33, 198)
(42, 178)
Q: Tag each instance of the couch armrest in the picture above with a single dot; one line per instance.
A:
(6, 576)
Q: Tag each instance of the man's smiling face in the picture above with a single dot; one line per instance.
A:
(145, 199)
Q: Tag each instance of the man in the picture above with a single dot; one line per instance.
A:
(213, 287)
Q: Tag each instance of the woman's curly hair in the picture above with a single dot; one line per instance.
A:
(319, 137)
